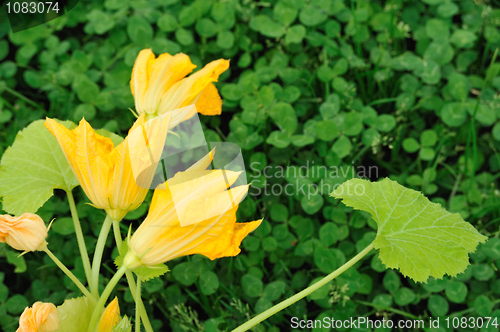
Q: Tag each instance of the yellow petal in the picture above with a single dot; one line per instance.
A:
(210, 102)
(188, 90)
(110, 317)
(135, 161)
(204, 208)
(226, 243)
(161, 240)
(162, 237)
(92, 159)
(26, 232)
(107, 174)
(165, 72)
(42, 317)
(140, 80)
(88, 155)
(186, 187)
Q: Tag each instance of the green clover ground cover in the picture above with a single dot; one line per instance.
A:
(410, 89)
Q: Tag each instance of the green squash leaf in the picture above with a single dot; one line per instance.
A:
(418, 237)
(32, 168)
(75, 314)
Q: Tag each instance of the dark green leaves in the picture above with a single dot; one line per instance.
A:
(140, 31)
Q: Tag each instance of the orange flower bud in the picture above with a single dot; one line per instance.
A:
(42, 317)
(110, 317)
(26, 233)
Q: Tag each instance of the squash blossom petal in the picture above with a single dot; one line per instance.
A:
(110, 317)
(159, 85)
(104, 171)
(26, 232)
(42, 317)
(199, 196)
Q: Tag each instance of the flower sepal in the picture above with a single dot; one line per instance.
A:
(133, 263)
(123, 326)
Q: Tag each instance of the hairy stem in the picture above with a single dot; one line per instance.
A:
(79, 237)
(104, 298)
(280, 306)
(137, 307)
(99, 249)
(70, 275)
(131, 282)
(118, 235)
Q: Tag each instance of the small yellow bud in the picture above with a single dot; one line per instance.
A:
(110, 317)
(26, 233)
(42, 317)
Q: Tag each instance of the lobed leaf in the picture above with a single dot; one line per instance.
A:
(416, 236)
(74, 315)
(32, 168)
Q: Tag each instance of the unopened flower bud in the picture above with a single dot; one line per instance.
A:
(110, 317)
(26, 233)
(42, 317)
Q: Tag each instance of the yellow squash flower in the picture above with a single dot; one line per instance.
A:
(110, 317)
(203, 199)
(26, 232)
(159, 86)
(105, 172)
(42, 317)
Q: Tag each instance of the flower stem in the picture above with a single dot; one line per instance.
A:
(137, 307)
(70, 275)
(99, 249)
(104, 297)
(118, 235)
(138, 302)
(79, 237)
(131, 281)
(280, 306)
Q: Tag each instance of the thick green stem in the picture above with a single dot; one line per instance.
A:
(138, 302)
(280, 306)
(99, 249)
(104, 298)
(79, 237)
(131, 282)
(118, 235)
(70, 275)
(137, 307)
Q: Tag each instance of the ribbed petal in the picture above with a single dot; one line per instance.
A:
(166, 70)
(87, 154)
(26, 232)
(135, 161)
(92, 160)
(109, 317)
(189, 90)
(140, 80)
(210, 102)
(228, 245)
(204, 199)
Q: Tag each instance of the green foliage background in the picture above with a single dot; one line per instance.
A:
(407, 86)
